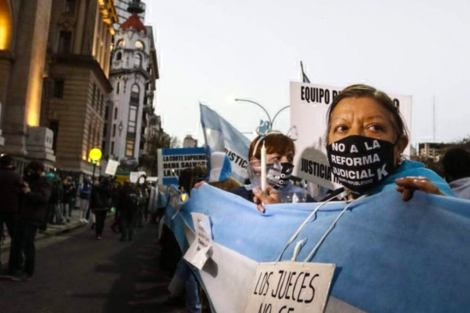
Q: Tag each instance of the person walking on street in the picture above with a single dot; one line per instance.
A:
(100, 204)
(67, 199)
(11, 186)
(85, 194)
(129, 197)
(32, 216)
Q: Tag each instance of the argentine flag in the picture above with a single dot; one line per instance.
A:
(221, 136)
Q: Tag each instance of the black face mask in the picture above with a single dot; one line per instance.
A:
(361, 163)
(278, 174)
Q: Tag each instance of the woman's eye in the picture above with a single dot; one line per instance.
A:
(341, 128)
(375, 128)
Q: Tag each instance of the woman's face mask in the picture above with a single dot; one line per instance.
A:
(360, 163)
(277, 174)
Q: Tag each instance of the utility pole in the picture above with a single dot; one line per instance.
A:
(434, 118)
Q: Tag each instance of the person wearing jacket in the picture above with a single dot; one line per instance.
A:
(100, 204)
(11, 186)
(85, 194)
(32, 216)
(456, 164)
(69, 194)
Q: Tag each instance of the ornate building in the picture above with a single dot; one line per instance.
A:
(134, 71)
(76, 81)
(24, 26)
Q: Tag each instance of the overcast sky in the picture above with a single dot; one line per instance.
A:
(215, 50)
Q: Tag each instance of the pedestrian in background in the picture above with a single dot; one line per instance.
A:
(85, 194)
(32, 216)
(67, 199)
(11, 186)
(456, 163)
(100, 204)
(129, 197)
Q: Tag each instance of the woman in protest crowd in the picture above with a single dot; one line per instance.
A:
(100, 204)
(280, 151)
(456, 164)
(366, 137)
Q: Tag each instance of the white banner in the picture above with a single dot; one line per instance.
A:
(309, 105)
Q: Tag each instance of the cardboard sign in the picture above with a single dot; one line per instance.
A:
(111, 167)
(290, 287)
(309, 105)
(172, 161)
(133, 177)
(198, 253)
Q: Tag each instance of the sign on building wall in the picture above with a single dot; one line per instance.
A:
(172, 161)
(309, 105)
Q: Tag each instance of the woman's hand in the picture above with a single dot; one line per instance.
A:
(268, 197)
(408, 185)
(199, 184)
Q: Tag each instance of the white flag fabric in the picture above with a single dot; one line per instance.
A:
(221, 136)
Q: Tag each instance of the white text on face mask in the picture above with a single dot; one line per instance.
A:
(357, 161)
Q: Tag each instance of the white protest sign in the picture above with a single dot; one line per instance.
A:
(309, 105)
(172, 161)
(198, 253)
(133, 177)
(290, 287)
(111, 167)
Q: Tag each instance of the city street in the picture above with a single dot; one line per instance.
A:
(77, 273)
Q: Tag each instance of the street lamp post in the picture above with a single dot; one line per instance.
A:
(95, 155)
(271, 121)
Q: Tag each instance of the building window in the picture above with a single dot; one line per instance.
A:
(115, 113)
(112, 147)
(130, 148)
(132, 120)
(120, 43)
(93, 95)
(103, 145)
(114, 130)
(59, 88)
(100, 111)
(139, 44)
(118, 88)
(105, 129)
(69, 6)
(135, 95)
(106, 113)
(119, 56)
(65, 41)
(138, 60)
(54, 126)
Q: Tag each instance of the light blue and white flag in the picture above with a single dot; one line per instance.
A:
(390, 255)
(221, 136)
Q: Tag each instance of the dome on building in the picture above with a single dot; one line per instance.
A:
(134, 22)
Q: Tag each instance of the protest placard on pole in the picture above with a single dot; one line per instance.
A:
(111, 167)
(309, 107)
(172, 161)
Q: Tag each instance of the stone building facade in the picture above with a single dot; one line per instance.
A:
(76, 83)
(24, 26)
(134, 72)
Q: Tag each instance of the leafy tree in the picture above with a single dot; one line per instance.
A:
(160, 140)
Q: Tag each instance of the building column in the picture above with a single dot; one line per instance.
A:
(78, 38)
(23, 101)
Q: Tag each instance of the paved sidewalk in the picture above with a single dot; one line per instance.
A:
(53, 230)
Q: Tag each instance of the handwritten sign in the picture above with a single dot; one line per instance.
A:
(287, 287)
(199, 251)
(111, 167)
